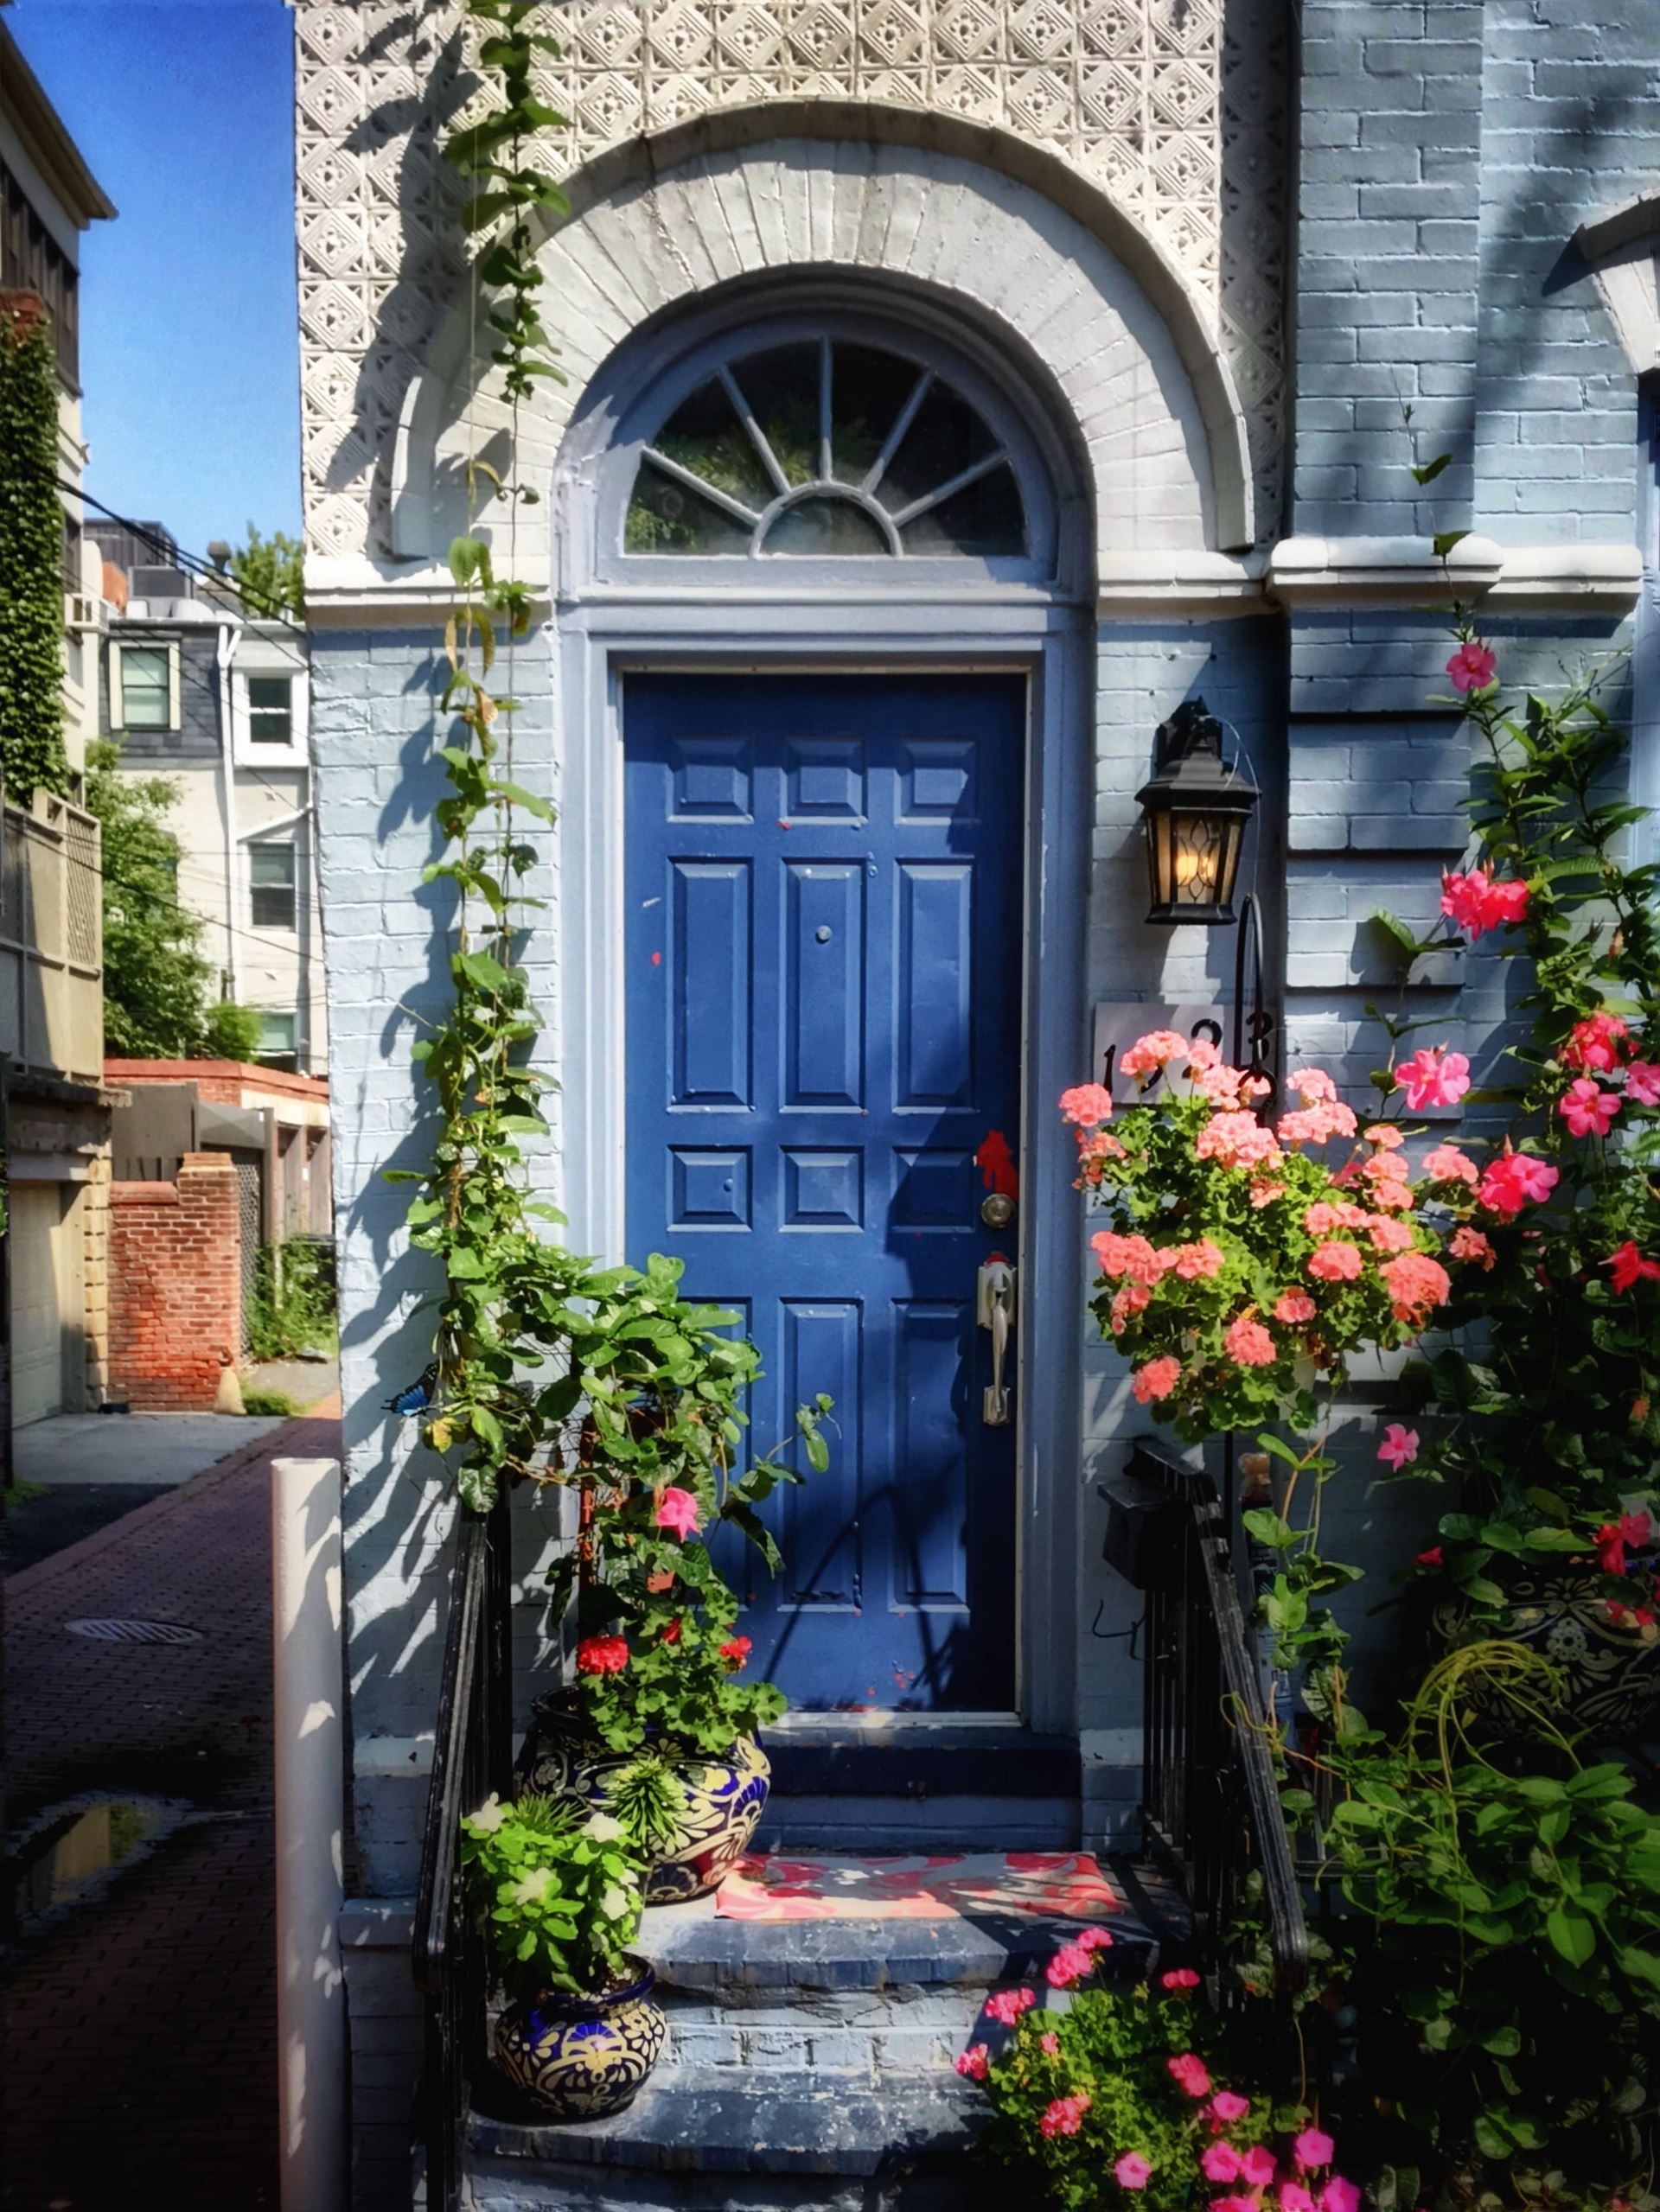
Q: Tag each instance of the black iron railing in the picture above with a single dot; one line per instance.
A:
(472, 1756)
(1210, 1800)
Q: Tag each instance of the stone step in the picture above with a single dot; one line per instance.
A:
(838, 1784)
(696, 2140)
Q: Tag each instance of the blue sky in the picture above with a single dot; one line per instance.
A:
(183, 111)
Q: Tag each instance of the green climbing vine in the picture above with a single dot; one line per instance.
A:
(546, 1368)
(31, 556)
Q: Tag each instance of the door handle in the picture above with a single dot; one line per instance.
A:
(994, 1310)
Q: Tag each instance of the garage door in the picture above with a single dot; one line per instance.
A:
(36, 1321)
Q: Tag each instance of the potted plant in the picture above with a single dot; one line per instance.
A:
(580, 2032)
(659, 1729)
(1239, 1271)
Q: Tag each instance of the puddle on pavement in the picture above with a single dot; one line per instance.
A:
(69, 1858)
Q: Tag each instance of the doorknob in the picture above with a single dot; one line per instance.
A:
(994, 1310)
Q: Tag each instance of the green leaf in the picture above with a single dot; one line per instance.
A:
(1430, 470)
(516, 795)
(1444, 540)
(1571, 1935)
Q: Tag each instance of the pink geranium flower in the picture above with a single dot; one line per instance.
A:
(1470, 1244)
(1400, 1446)
(1070, 1964)
(1006, 2006)
(1064, 2116)
(1248, 1344)
(1199, 1262)
(1312, 1085)
(1179, 1977)
(1586, 1108)
(1238, 1140)
(1157, 1380)
(1188, 2073)
(972, 2062)
(1335, 1263)
(1295, 1306)
(1416, 1282)
(1095, 1938)
(1432, 1077)
(1132, 2170)
(1152, 1051)
(678, 1509)
(1473, 668)
(1385, 1235)
(1049, 2043)
(1447, 1163)
(1087, 1104)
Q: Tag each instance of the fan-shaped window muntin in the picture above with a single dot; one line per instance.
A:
(829, 448)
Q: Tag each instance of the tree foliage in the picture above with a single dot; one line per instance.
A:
(270, 573)
(157, 1003)
(31, 559)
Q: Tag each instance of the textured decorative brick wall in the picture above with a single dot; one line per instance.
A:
(176, 1285)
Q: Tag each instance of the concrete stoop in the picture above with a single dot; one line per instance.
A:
(810, 2064)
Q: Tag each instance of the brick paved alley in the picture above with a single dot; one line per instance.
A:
(140, 2025)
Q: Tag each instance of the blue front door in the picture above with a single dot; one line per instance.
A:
(823, 984)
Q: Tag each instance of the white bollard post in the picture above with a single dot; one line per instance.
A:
(307, 1677)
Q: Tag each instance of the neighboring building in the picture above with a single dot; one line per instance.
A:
(1089, 222)
(197, 689)
(51, 965)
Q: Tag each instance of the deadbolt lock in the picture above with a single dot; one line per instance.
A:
(996, 1211)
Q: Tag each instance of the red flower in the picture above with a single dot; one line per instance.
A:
(601, 1655)
(671, 1633)
(1430, 1557)
(1628, 1266)
(736, 1652)
(1476, 903)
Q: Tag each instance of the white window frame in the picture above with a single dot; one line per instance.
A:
(250, 752)
(292, 1049)
(119, 692)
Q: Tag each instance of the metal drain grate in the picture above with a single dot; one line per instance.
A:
(134, 1631)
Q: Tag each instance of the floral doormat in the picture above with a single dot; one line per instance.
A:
(939, 1885)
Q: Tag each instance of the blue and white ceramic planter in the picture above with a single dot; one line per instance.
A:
(582, 2057)
(721, 1799)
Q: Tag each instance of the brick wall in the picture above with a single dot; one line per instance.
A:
(176, 1285)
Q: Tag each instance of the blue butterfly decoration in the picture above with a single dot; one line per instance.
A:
(418, 1396)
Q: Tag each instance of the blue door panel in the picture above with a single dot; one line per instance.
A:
(823, 964)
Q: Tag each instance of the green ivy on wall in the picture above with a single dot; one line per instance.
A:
(31, 556)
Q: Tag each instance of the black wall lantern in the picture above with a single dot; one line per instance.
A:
(1195, 811)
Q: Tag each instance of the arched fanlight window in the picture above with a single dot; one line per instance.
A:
(827, 448)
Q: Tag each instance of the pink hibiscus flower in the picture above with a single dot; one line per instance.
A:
(1473, 668)
(1586, 1108)
(1400, 1446)
(1642, 1083)
(1313, 2147)
(1432, 1077)
(1514, 1180)
(678, 1509)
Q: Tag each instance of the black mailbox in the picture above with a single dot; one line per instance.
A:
(1144, 1531)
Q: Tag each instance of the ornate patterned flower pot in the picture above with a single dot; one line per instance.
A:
(721, 1799)
(581, 2058)
(1611, 1673)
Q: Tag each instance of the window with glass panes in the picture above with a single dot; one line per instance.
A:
(271, 710)
(272, 885)
(145, 688)
(277, 1038)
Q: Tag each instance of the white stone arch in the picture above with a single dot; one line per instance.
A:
(1038, 256)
